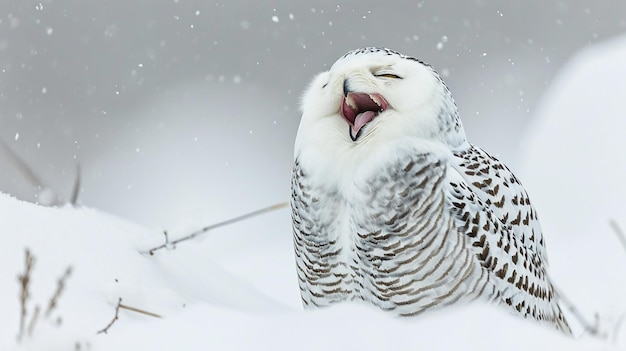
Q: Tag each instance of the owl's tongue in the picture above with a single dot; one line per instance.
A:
(362, 119)
(358, 109)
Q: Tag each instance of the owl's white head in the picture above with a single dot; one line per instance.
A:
(375, 95)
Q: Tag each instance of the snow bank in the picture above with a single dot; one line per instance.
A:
(103, 252)
(203, 305)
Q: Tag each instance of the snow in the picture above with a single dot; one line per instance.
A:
(203, 305)
(235, 287)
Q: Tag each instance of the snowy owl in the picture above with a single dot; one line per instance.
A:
(393, 206)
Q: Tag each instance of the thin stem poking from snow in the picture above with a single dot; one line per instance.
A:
(60, 286)
(129, 308)
(618, 231)
(76, 188)
(217, 225)
(37, 180)
(26, 170)
(24, 280)
(592, 329)
(117, 311)
(33, 320)
(618, 326)
(140, 311)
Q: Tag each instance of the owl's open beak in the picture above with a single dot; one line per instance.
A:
(358, 109)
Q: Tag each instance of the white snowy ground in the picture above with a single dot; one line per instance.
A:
(235, 288)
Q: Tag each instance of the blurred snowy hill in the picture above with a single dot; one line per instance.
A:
(573, 169)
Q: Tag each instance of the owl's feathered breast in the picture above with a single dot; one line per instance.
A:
(387, 237)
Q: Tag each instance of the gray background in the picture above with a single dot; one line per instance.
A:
(186, 111)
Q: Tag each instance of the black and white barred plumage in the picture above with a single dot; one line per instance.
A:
(392, 205)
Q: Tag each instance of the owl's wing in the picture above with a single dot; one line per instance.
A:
(321, 275)
(498, 188)
(491, 207)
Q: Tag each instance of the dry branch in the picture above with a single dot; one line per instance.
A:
(213, 226)
(33, 320)
(616, 328)
(24, 280)
(129, 308)
(588, 327)
(117, 311)
(76, 188)
(35, 179)
(134, 309)
(26, 170)
(167, 238)
(57, 294)
(618, 231)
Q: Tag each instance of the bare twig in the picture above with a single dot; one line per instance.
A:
(33, 320)
(24, 280)
(35, 179)
(27, 170)
(217, 225)
(167, 238)
(60, 286)
(76, 188)
(622, 238)
(134, 309)
(592, 329)
(616, 328)
(117, 310)
(618, 231)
